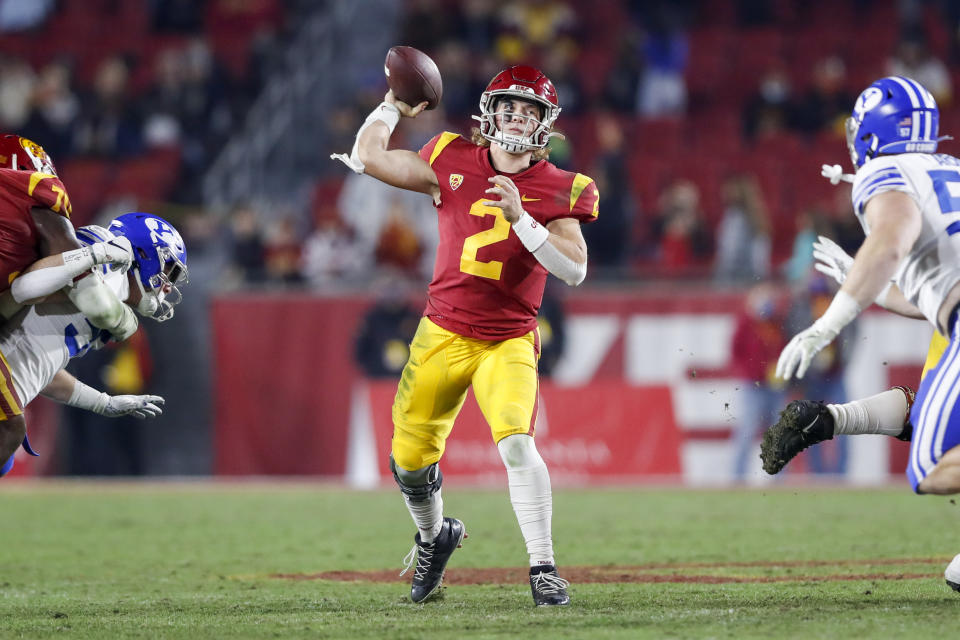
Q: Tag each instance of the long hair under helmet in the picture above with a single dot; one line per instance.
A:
(525, 83)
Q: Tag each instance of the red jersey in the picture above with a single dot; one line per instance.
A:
(20, 191)
(486, 284)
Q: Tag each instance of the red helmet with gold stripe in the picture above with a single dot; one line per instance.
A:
(524, 83)
(22, 154)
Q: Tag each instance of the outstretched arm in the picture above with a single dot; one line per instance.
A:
(833, 261)
(894, 222)
(396, 167)
(66, 389)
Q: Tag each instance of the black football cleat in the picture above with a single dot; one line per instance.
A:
(547, 587)
(801, 424)
(431, 559)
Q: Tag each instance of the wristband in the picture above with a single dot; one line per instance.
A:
(86, 397)
(840, 313)
(531, 233)
(386, 113)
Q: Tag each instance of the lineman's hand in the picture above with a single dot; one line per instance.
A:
(405, 110)
(509, 200)
(799, 352)
(832, 260)
(117, 252)
(136, 406)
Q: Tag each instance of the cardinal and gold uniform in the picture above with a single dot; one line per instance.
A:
(480, 323)
(20, 191)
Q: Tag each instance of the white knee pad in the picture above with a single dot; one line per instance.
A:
(519, 451)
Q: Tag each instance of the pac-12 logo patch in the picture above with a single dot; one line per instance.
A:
(455, 181)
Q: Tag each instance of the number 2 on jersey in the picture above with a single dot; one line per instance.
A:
(499, 232)
(949, 203)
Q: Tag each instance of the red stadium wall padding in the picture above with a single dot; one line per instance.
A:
(601, 432)
(624, 401)
(284, 371)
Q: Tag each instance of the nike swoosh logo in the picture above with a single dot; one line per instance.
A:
(807, 428)
(526, 199)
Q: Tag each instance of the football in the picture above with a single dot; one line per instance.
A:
(413, 76)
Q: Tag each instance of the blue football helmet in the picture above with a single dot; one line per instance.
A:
(892, 115)
(159, 261)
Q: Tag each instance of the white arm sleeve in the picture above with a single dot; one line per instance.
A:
(560, 265)
(102, 307)
(43, 282)
(536, 239)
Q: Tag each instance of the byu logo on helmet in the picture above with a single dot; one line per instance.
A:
(869, 99)
(163, 233)
(160, 261)
(892, 115)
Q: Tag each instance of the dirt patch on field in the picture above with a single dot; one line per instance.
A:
(647, 573)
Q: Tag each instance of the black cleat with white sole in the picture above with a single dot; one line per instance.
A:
(547, 587)
(802, 424)
(432, 559)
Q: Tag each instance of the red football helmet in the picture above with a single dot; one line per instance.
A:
(24, 155)
(526, 83)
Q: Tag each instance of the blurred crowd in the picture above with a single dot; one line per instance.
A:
(686, 182)
(158, 78)
(703, 122)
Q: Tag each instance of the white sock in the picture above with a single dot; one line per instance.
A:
(427, 515)
(884, 413)
(530, 495)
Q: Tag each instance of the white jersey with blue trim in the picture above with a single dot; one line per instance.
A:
(932, 267)
(40, 340)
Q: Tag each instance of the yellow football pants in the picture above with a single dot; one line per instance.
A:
(434, 384)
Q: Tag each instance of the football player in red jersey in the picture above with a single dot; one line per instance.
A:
(507, 218)
(40, 254)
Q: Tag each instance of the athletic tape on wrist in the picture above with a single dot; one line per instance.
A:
(531, 233)
(86, 397)
(83, 255)
(386, 113)
(841, 312)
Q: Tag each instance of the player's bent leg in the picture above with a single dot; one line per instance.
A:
(532, 500)
(806, 422)
(934, 462)
(944, 479)
(437, 537)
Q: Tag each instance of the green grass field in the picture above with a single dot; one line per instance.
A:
(89, 560)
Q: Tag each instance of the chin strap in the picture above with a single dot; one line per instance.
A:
(149, 304)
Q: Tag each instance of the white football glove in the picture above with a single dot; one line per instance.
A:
(118, 252)
(832, 260)
(834, 173)
(136, 406)
(799, 352)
